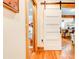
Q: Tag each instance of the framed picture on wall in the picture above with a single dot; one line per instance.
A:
(12, 5)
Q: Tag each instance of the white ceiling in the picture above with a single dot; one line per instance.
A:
(49, 1)
(68, 0)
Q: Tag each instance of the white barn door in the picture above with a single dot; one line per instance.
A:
(52, 36)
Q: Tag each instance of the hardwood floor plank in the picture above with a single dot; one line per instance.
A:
(68, 52)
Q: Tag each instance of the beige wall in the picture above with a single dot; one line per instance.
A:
(14, 33)
(40, 19)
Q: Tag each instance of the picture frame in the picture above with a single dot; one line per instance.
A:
(12, 5)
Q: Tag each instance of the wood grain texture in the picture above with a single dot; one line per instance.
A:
(66, 53)
(12, 5)
(68, 16)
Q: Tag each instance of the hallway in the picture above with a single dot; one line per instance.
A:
(39, 29)
(53, 30)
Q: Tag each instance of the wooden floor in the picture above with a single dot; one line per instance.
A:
(66, 53)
